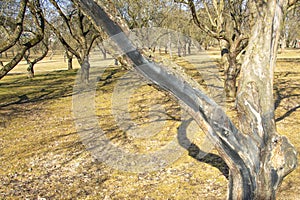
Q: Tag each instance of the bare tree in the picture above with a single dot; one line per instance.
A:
(40, 52)
(16, 36)
(291, 31)
(141, 14)
(228, 22)
(257, 156)
(12, 28)
(76, 34)
(69, 56)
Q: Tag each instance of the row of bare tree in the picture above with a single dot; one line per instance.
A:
(258, 157)
(49, 21)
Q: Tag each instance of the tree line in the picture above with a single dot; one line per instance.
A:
(35, 26)
(257, 156)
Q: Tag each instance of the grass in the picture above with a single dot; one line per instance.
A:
(42, 156)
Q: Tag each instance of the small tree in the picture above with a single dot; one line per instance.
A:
(257, 156)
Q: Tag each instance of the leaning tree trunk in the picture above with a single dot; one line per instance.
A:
(104, 53)
(258, 158)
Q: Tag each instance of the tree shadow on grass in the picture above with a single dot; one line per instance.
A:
(195, 152)
(287, 93)
(21, 90)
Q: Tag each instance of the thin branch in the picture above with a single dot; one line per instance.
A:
(67, 20)
(63, 41)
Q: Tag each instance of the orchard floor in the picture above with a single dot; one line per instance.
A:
(42, 155)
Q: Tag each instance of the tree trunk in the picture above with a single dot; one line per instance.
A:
(31, 63)
(103, 50)
(30, 70)
(179, 46)
(231, 69)
(1, 62)
(189, 46)
(231, 75)
(179, 50)
(170, 45)
(85, 70)
(51, 54)
(116, 61)
(70, 63)
(26, 56)
(277, 157)
(184, 49)
(69, 56)
(104, 53)
(258, 158)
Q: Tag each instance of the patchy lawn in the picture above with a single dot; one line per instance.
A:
(42, 156)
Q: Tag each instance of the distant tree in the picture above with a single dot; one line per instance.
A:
(142, 14)
(291, 30)
(102, 48)
(257, 156)
(69, 57)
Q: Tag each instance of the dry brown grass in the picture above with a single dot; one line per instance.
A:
(41, 154)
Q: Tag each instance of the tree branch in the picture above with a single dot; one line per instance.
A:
(12, 40)
(67, 20)
(62, 40)
(40, 24)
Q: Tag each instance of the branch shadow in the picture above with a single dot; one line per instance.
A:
(195, 152)
(42, 87)
(288, 113)
(287, 93)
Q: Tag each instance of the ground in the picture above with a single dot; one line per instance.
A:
(42, 154)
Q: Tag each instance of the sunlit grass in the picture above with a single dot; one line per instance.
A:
(41, 154)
